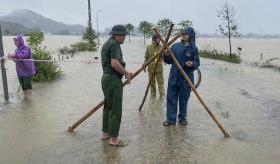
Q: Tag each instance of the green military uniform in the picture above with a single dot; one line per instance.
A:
(150, 52)
(112, 87)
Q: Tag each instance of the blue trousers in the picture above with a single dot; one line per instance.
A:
(174, 93)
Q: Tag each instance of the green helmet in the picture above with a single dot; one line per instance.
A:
(119, 30)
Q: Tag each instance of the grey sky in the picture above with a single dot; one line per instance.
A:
(254, 15)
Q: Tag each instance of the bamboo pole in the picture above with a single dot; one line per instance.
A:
(191, 85)
(93, 110)
(149, 84)
(154, 70)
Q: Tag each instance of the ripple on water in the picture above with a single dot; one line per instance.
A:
(240, 135)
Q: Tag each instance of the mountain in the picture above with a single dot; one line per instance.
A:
(9, 28)
(31, 20)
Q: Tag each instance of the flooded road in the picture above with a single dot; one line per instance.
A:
(246, 100)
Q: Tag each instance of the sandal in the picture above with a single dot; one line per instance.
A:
(183, 122)
(119, 144)
(166, 123)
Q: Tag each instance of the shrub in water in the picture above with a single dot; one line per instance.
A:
(45, 71)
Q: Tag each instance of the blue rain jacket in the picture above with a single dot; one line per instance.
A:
(178, 89)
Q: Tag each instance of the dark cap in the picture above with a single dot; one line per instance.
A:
(119, 30)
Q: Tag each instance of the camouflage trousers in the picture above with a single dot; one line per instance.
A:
(158, 78)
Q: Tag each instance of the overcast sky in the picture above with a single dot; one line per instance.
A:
(254, 15)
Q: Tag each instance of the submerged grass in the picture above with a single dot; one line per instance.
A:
(269, 66)
(216, 55)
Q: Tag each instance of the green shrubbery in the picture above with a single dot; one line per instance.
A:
(77, 47)
(88, 44)
(45, 71)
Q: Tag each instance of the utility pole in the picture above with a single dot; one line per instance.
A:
(3, 69)
(89, 15)
(97, 26)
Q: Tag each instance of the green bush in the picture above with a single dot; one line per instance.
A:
(66, 50)
(89, 36)
(214, 54)
(77, 47)
(83, 46)
(45, 71)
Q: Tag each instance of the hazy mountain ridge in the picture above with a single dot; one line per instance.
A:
(10, 28)
(32, 20)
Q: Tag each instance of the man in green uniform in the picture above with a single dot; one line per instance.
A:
(153, 49)
(113, 71)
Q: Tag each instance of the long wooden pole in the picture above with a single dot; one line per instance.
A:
(3, 70)
(191, 84)
(88, 114)
(154, 70)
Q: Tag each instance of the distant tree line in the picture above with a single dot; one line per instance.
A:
(228, 26)
(146, 28)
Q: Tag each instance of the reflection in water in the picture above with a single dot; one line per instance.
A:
(245, 100)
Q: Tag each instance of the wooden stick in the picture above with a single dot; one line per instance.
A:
(154, 70)
(88, 114)
(149, 84)
(191, 84)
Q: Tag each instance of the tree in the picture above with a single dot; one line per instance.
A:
(130, 29)
(45, 71)
(163, 25)
(183, 25)
(89, 34)
(228, 26)
(146, 28)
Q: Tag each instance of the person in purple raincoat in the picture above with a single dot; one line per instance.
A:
(25, 68)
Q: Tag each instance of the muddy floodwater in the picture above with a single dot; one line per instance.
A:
(245, 99)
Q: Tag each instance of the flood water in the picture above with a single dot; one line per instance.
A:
(246, 100)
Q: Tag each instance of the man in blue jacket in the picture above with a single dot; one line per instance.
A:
(187, 55)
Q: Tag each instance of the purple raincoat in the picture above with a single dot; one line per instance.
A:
(24, 68)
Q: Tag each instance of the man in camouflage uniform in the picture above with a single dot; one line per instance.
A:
(113, 71)
(152, 50)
